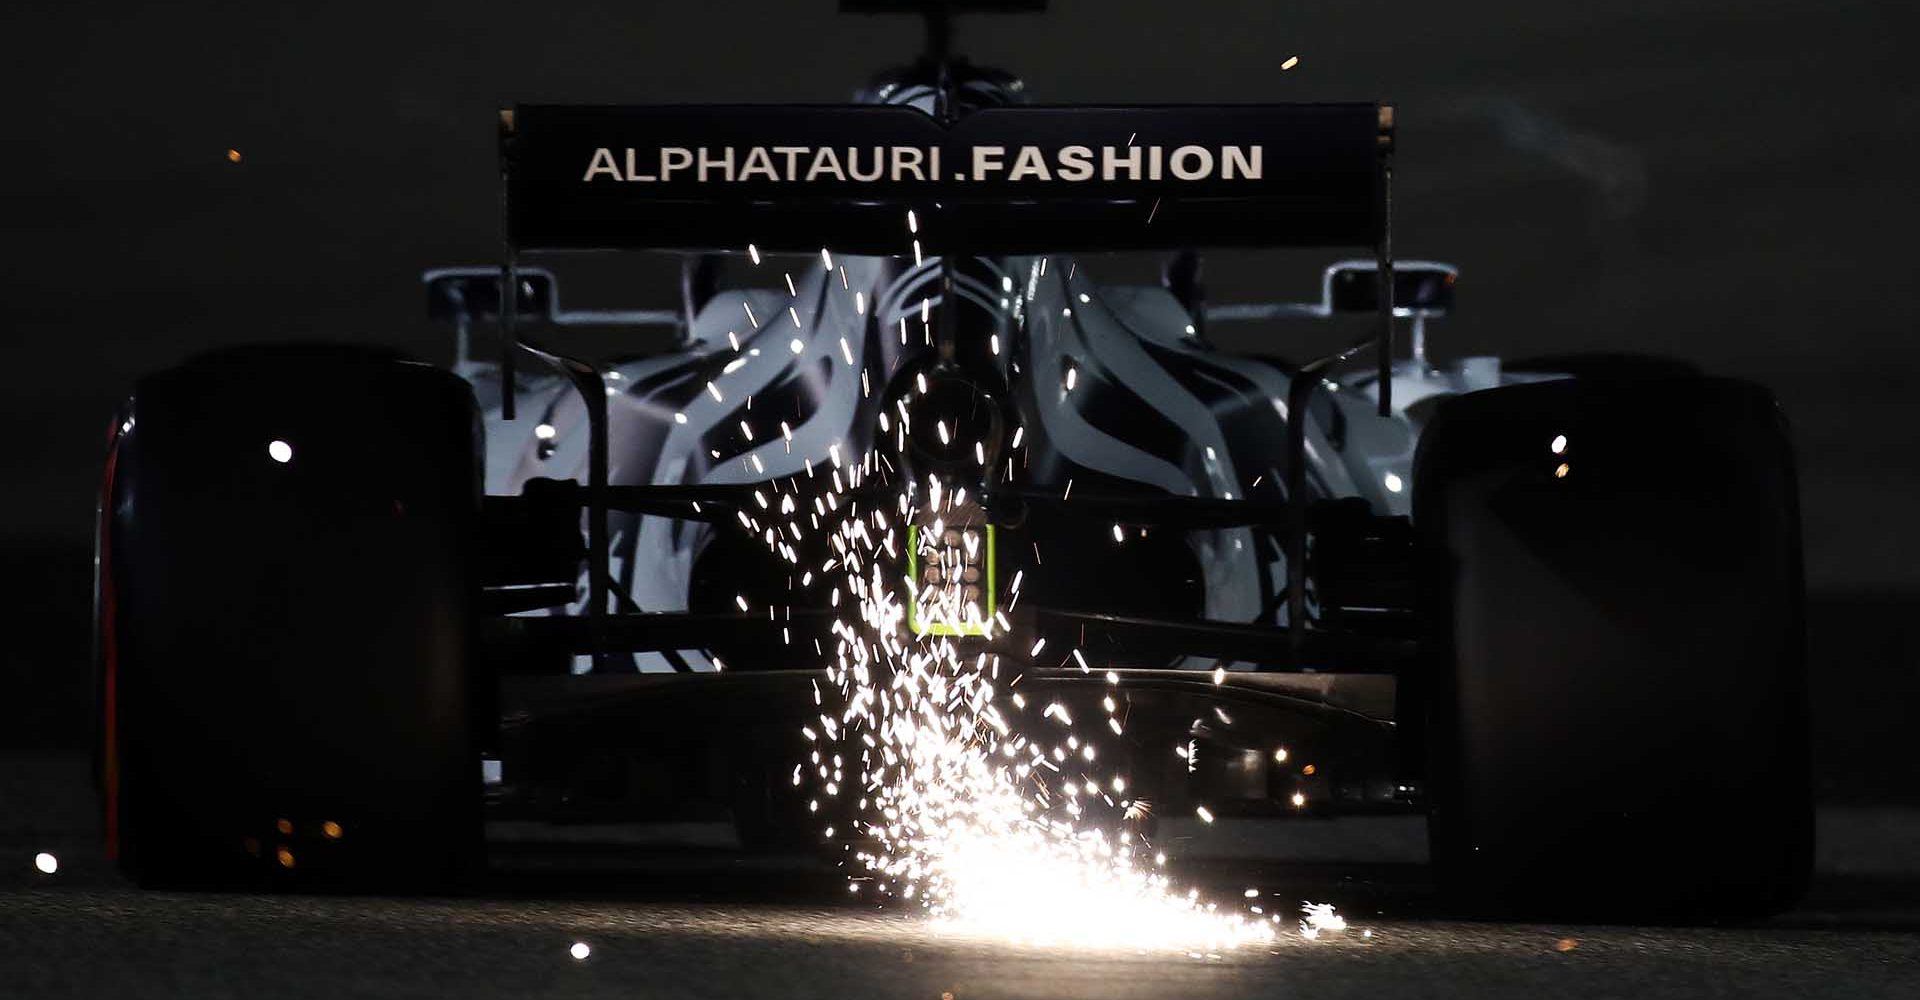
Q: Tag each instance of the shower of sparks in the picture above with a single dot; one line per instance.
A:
(993, 818)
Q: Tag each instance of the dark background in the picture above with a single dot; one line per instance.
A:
(1730, 183)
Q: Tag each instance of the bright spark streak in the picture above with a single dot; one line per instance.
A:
(1320, 917)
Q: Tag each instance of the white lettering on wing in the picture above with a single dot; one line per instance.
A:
(674, 158)
(907, 158)
(633, 169)
(865, 165)
(724, 162)
(1029, 164)
(758, 162)
(1110, 163)
(602, 164)
(1076, 164)
(825, 162)
(792, 153)
(986, 160)
(877, 165)
(1244, 160)
(1191, 163)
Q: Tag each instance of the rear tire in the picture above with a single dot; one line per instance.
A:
(1617, 708)
(285, 619)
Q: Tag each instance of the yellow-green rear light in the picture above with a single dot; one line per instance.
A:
(986, 600)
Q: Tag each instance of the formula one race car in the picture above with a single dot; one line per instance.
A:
(351, 605)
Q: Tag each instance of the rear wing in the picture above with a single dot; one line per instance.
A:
(891, 180)
(1002, 180)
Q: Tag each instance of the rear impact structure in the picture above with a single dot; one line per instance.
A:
(285, 621)
(1616, 705)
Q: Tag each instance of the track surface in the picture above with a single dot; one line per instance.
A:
(117, 943)
(697, 922)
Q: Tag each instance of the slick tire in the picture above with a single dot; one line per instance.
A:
(285, 609)
(1616, 706)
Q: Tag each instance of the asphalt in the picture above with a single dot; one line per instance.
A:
(671, 912)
